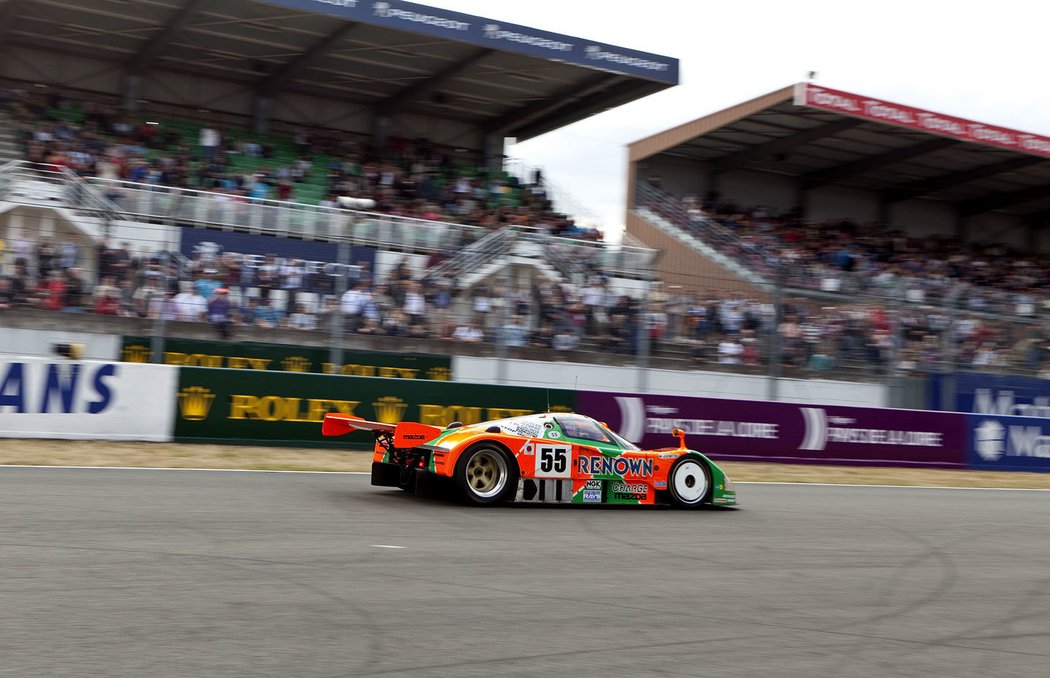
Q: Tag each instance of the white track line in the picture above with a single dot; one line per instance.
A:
(365, 473)
(901, 487)
(166, 468)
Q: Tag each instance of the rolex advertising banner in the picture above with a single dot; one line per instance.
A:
(289, 358)
(264, 407)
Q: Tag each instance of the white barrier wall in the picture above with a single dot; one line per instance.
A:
(55, 398)
(22, 342)
(583, 377)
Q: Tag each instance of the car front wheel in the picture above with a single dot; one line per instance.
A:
(689, 482)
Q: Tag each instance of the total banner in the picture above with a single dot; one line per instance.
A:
(85, 400)
(815, 96)
(289, 358)
(262, 407)
(999, 443)
(771, 431)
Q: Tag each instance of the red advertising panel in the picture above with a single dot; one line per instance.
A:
(814, 96)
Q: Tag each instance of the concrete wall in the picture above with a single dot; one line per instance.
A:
(670, 382)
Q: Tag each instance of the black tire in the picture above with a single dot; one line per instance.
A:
(486, 474)
(689, 483)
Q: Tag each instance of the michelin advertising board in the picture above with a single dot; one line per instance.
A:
(84, 400)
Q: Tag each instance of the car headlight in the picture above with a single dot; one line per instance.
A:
(727, 485)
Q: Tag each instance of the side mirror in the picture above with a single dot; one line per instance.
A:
(681, 437)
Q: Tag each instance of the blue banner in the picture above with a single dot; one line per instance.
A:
(998, 443)
(319, 258)
(507, 37)
(1000, 394)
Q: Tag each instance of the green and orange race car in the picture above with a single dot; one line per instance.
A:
(546, 458)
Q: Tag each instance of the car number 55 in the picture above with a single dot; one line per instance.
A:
(553, 461)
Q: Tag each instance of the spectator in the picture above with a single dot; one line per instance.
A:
(220, 312)
(7, 294)
(190, 305)
(302, 319)
(265, 315)
(468, 333)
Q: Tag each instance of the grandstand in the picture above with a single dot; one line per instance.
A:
(898, 222)
(185, 128)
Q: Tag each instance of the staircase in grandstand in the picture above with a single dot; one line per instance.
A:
(558, 259)
(57, 188)
(702, 234)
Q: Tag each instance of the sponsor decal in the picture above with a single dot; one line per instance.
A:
(819, 434)
(629, 491)
(592, 492)
(56, 388)
(553, 434)
(493, 32)
(389, 409)
(993, 441)
(597, 53)
(613, 466)
(339, 3)
(386, 11)
(296, 363)
(195, 403)
(296, 410)
(985, 401)
(661, 483)
(634, 423)
(906, 116)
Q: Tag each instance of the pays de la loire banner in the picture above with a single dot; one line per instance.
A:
(45, 398)
(263, 407)
(733, 429)
(251, 355)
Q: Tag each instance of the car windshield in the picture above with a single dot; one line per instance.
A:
(584, 428)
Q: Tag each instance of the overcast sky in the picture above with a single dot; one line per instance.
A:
(984, 61)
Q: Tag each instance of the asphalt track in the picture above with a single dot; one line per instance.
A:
(185, 573)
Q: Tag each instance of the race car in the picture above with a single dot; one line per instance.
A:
(547, 458)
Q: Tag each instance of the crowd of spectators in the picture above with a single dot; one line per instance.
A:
(405, 177)
(843, 256)
(244, 298)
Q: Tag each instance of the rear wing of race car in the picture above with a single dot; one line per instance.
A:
(403, 435)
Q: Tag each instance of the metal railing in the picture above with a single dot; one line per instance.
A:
(800, 273)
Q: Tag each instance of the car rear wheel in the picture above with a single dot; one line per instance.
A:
(689, 482)
(485, 474)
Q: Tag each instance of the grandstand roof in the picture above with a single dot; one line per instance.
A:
(825, 136)
(387, 56)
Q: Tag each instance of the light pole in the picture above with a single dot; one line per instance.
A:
(335, 352)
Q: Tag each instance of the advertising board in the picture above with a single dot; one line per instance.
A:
(262, 407)
(54, 398)
(772, 431)
(998, 443)
(1002, 394)
(318, 257)
(252, 355)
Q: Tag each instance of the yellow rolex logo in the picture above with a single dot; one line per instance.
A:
(439, 373)
(296, 363)
(195, 402)
(136, 353)
(389, 409)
